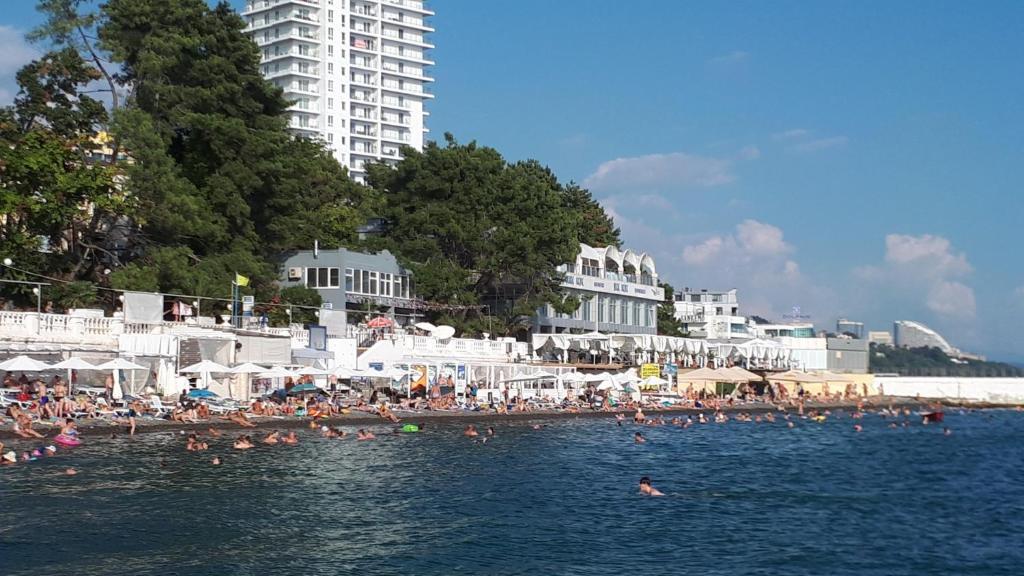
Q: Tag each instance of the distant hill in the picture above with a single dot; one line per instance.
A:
(934, 362)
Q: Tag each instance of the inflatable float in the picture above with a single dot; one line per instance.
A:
(65, 440)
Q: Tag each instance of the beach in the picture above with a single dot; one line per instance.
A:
(144, 425)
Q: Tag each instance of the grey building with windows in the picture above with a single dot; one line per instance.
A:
(353, 281)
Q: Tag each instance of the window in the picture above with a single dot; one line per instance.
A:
(323, 277)
(396, 288)
(349, 285)
(385, 284)
(373, 283)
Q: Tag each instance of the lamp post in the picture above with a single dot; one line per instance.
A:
(39, 299)
(37, 286)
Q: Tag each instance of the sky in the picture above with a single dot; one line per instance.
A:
(851, 158)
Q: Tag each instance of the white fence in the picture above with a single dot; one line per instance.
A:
(994, 390)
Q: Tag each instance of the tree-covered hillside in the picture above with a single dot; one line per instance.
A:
(934, 362)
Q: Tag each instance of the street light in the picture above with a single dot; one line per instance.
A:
(39, 298)
(8, 261)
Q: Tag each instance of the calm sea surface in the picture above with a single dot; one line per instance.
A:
(743, 498)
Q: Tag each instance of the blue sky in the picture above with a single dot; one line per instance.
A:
(851, 158)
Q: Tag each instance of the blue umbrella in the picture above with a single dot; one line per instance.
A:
(307, 388)
(201, 394)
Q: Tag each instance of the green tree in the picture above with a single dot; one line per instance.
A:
(668, 324)
(219, 182)
(596, 227)
(477, 232)
(61, 209)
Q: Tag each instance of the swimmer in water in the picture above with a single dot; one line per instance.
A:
(946, 431)
(490, 430)
(70, 472)
(857, 428)
(290, 438)
(243, 443)
(271, 438)
(790, 424)
(638, 438)
(639, 417)
(648, 490)
(470, 431)
(215, 461)
(364, 435)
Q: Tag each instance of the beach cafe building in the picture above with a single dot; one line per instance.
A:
(350, 281)
(618, 292)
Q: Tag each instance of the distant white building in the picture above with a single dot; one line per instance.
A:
(712, 315)
(883, 337)
(356, 70)
(910, 334)
(618, 292)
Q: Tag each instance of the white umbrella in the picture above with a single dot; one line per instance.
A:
(247, 368)
(204, 367)
(653, 381)
(443, 332)
(24, 364)
(596, 377)
(276, 372)
(311, 371)
(572, 377)
(75, 363)
(426, 326)
(120, 364)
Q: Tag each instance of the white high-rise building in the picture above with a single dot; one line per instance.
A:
(356, 71)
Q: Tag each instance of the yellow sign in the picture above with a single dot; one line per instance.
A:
(648, 370)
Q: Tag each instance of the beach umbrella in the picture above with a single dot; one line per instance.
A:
(24, 364)
(201, 394)
(426, 326)
(75, 363)
(276, 372)
(120, 364)
(311, 371)
(380, 322)
(443, 332)
(247, 368)
(307, 388)
(205, 367)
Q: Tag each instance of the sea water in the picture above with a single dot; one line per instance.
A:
(742, 498)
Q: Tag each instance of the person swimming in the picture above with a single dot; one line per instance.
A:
(290, 438)
(647, 489)
(215, 461)
(243, 442)
(362, 434)
(272, 438)
(638, 438)
(470, 431)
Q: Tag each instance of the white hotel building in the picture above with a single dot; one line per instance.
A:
(356, 71)
(618, 292)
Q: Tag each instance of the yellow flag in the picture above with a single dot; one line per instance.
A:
(241, 280)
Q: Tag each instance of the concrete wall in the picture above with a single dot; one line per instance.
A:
(995, 390)
(847, 355)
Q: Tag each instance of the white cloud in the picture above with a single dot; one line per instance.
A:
(803, 140)
(734, 57)
(952, 299)
(925, 253)
(704, 252)
(922, 274)
(16, 53)
(755, 258)
(760, 238)
(792, 134)
(819, 144)
(749, 153)
(661, 170)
